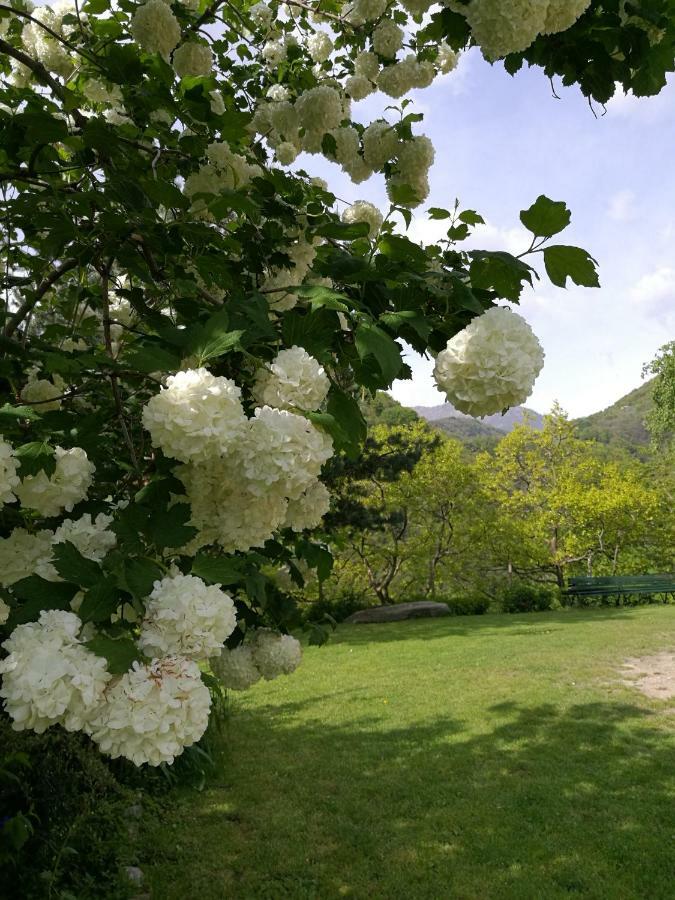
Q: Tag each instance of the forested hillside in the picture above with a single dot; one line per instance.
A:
(623, 423)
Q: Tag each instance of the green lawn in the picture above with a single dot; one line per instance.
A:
(482, 757)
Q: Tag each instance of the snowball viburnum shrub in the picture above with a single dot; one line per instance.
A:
(185, 346)
(491, 365)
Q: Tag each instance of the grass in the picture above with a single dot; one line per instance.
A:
(484, 757)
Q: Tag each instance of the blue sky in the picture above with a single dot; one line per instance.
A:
(502, 141)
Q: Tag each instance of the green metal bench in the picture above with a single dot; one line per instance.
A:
(621, 586)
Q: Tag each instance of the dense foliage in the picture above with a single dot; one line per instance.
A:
(511, 524)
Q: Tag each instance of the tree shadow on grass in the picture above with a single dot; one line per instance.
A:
(466, 626)
(542, 804)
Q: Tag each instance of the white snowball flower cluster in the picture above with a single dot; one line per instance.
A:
(46, 395)
(380, 144)
(8, 469)
(186, 617)
(224, 171)
(362, 211)
(293, 379)
(447, 59)
(278, 92)
(285, 452)
(23, 554)
(358, 87)
(309, 508)
(275, 654)
(67, 485)
(226, 510)
(358, 12)
(196, 416)
(501, 28)
(155, 28)
(97, 91)
(413, 160)
(562, 14)
(320, 46)
(403, 76)
(239, 501)
(267, 656)
(387, 38)
(280, 298)
(4, 612)
(192, 59)
(235, 668)
(41, 45)
(286, 153)
(153, 712)
(92, 538)
(491, 365)
(320, 109)
(347, 154)
(49, 676)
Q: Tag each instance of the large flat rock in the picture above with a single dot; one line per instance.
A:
(421, 609)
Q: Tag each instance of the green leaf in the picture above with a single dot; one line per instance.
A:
(75, 568)
(347, 413)
(139, 575)
(39, 594)
(120, 653)
(546, 217)
(343, 231)
(459, 232)
(571, 262)
(218, 570)
(35, 457)
(317, 556)
(408, 317)
(165, 192)
(471, 217)
(463, 297)
(372, 341)
(321, 296)
(435, 212)
(499, 272)
(100, 602)
(151, 357)
(397, 247)
(169, 529)
(9, 414)
(213, 338)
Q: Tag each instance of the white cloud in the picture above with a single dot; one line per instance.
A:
(622, 206)
(655, 292)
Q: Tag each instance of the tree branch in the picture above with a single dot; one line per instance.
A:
(27, 306)
(42, 75)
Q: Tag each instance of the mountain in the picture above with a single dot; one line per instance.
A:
(620, 427)
(504, 423)
(622, 423)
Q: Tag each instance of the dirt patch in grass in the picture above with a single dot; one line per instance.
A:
(653, 675)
